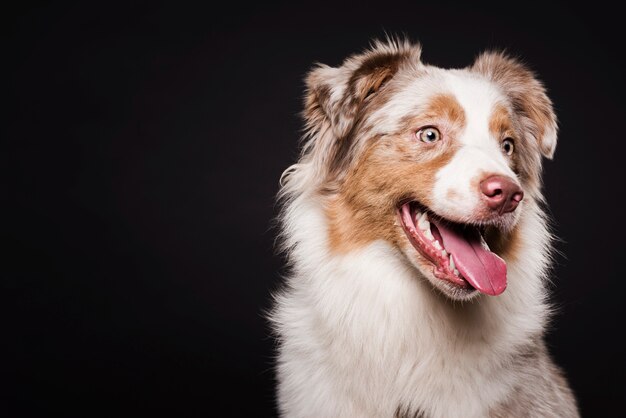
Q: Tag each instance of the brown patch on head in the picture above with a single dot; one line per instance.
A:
(500, 123)
(446, 106)
(501, 126)
(441, 110)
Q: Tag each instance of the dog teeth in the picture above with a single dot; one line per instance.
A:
(423, 223)
(483, 243)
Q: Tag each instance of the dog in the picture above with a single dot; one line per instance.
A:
(417, 243)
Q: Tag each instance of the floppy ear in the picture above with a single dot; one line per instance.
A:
(527, 95)
(335, 95)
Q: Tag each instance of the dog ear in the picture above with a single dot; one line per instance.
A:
(336, 95)
(527, 95)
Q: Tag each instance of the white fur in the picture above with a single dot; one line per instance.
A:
(361, 335)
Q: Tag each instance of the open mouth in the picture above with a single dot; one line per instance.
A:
(458, 252)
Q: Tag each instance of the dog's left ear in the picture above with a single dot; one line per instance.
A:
(527, 95)
(336, 95)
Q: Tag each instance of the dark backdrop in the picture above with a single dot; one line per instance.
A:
(141, 150)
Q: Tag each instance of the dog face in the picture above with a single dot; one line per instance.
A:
(439, 163)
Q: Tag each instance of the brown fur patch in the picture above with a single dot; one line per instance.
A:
(500, 124)
(446, 106)
(442, 111)
(365, 209)
(393, 168)
(373, 72)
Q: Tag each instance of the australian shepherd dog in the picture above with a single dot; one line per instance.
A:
(417, 244)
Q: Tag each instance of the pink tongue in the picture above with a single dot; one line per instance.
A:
(480, 267)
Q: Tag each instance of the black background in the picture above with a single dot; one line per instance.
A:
(141, 150)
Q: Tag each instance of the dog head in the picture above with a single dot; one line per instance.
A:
(440, 163)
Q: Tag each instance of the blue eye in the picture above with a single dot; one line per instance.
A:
(428, 135)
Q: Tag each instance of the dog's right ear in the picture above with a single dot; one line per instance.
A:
(335, 95)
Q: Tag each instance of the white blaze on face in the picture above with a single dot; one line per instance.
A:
(456, 189)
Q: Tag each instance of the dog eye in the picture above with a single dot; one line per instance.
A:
(507, 146)
(428, 135)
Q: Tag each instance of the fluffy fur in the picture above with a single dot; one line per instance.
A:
(364, 328)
